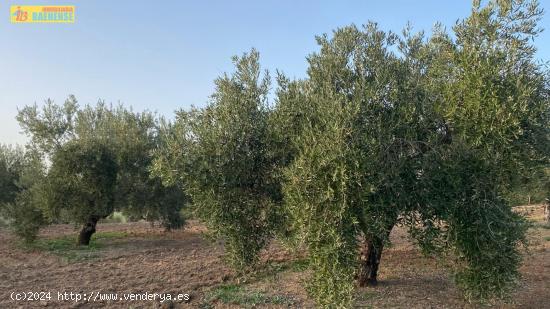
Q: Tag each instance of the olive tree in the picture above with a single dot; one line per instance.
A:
(119, 134)
(133, 138)
(494, 96)
(355, 154)
(222, 157)
(82, 183)
(429, 133)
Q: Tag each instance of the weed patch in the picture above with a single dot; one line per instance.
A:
(67, 249)
(238, 295)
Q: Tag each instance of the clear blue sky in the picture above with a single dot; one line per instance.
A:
(164, 55)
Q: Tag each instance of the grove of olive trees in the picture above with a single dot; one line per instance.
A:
(429, 132)
(426, 132)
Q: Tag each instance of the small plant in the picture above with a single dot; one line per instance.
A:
(116, 217)
(4, 222)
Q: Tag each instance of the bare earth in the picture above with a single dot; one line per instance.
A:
(149, 260)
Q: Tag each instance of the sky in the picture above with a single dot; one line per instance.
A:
(164, 55)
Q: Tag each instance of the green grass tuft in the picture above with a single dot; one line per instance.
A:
(67, 248)
(238, 295)
(108, 235)
(4, 222)
(116, 217)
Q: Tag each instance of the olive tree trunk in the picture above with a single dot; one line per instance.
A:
(547, 211)
(87, 231)
(371, 254)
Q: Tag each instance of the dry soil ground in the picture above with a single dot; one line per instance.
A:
(137, 258)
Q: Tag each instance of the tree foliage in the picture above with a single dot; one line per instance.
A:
(223, 155)
(112, 133)
(11, 162)
(82, 181)
(22, 191)
(494, 96)
(427, 132)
